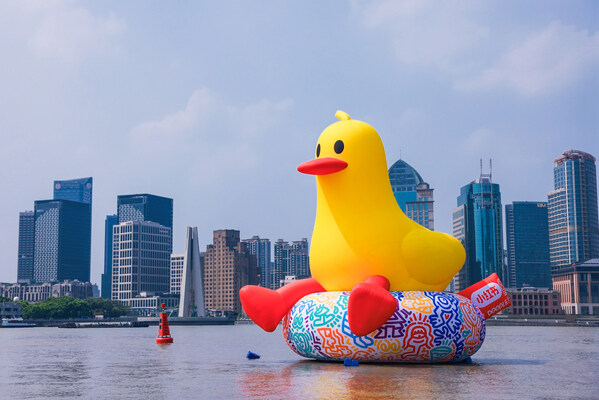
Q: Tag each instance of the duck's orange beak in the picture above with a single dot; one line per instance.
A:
(322, 166)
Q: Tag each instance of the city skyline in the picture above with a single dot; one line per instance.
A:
(134, 198)
(218, 112)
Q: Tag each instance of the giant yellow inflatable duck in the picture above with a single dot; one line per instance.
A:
(362, 241)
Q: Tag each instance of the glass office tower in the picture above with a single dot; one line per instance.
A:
(477, 223)
(74, 189)
(527, 237)
(572, 208)
(62, 241)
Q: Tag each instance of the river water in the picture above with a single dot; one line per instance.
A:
(209, 363)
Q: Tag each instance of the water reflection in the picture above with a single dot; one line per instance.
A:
(320, 380)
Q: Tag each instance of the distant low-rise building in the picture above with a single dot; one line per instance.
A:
(10, 310)
(149, 304)
(534, 301)
(34, 293)
(579, 287)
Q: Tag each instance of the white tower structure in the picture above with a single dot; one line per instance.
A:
(192, 285)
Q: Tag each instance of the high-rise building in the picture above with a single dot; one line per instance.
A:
(26, 246)
(79, 190)
(527, 237)
(414, 196)
(477, 223)
(290, 260)
(261, 249)
(62, 241)
(109, 223)
(141, 259)
(228, 266)
(572, 208)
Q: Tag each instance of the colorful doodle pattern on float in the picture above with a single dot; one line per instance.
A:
(427, 327)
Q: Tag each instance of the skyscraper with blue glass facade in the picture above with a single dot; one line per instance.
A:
(62, 232)
(413, 195)
(572, 209)
(62, 240)
(477, 223)
(79, 190)
(109, 223)
(145, 207)
(527, 237)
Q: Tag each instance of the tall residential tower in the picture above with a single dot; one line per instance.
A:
(572, 208)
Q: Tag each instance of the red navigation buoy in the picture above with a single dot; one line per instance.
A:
(164, 333)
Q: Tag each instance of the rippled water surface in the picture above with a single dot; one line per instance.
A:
(209, 363)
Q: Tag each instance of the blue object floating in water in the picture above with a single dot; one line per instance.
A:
(348, 362)
(252, 356)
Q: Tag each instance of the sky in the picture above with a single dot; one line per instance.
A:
(214, 104)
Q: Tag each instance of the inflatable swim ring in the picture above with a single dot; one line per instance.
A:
(426, 327)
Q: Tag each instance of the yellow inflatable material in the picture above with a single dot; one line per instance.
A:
(360, 231)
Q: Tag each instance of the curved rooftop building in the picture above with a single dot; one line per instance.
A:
(403, 177)
(413, 194)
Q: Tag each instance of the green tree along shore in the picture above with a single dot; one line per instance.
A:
(68, 307)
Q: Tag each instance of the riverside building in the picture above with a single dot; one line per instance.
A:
(228, 266)
(527, 237)
(533, 301)
(413, 195)
(477, 223)
(572, 209)
(579, 287)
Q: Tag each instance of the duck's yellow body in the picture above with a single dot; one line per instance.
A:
(360, 231)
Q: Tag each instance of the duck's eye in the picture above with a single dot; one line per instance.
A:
(318, 150)
(339, 146)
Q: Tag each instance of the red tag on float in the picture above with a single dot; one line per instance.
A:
(488, 295)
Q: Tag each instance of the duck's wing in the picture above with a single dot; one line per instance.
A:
(432, 258)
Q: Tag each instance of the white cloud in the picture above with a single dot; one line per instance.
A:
(424, 32)
(209, 134)
(61, 31)
(547, 60)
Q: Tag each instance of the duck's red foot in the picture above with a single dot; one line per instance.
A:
(264, 306)
(369, 306)
(267, 307)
